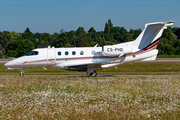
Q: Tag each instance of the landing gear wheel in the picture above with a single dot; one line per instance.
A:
(21, 74)
(94, 74)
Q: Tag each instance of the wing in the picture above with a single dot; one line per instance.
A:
(85, 63)
(67, 65)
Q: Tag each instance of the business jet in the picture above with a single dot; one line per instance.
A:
(90, 59)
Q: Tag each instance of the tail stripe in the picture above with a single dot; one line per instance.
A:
(149, 47)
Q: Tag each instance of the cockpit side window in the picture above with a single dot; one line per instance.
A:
(29, 53)
(32, 53)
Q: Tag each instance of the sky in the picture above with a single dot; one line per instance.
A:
(53, 15)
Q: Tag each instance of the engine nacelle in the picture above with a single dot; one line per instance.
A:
(114, 50)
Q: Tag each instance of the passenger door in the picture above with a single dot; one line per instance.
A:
(51, 56)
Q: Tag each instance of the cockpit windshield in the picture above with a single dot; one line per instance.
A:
(31, 53)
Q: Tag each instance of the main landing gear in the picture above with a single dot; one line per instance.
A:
(93, 74)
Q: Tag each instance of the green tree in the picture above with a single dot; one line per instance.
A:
(70, 36)
(177, 33)
(136, 33)
(4, 42)
(92, 44)
(79, 32)
(1, 37)
(37, 37)
(20, 45)
(128, 37)
(100, 40)
(27, 34)
(108, 33)
(7, 34)
(174, 29)
(106, 28)
(11, 53)
(83, 41)
(13, 35)
(1, 55)
(93, 35)
(74, 40)
(60, 40)
(45, 39)
(119, 33)
(110, 25)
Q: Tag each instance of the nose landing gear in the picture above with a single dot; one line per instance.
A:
(21, 69)
(21, 74)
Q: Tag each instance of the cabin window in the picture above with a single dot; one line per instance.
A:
(81, 52)
(32, 53)
(73, 53)
(93, 52)
(59, 53)
(66, 53)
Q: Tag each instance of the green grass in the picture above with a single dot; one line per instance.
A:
(145, 68)
(126, 68)
(90, 98)
(168, 56)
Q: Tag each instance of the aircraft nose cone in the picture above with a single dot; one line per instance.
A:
(8, 64)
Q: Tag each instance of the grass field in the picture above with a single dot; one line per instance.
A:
(90, 98)
(126, 68)
(57, 97)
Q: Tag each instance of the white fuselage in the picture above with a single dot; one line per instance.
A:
(53, 56)
(62, 57)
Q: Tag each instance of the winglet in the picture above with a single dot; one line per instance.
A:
(171, 22)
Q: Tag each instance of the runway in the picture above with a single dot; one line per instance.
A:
(66, 76)
(3, 61)
(157, 60)
(164, 60)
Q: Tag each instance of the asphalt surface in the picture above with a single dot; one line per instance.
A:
(164, 60)
(157, 60)
(60, 76)
(3, 61)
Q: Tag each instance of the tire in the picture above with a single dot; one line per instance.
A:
(21, 74)
(94, 74)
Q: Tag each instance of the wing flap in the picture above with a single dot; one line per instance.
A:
(85, 63)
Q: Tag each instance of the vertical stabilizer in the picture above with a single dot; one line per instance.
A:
(150, 34)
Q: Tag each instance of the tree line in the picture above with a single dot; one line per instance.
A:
(18, 44)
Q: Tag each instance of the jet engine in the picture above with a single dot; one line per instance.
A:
(114, 50)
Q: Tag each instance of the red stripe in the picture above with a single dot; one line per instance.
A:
(153, 45)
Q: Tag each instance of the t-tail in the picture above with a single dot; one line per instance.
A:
(148, 40)
(149, 36)
(143, 48)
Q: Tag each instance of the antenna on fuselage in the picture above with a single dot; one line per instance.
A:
(96, 45)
